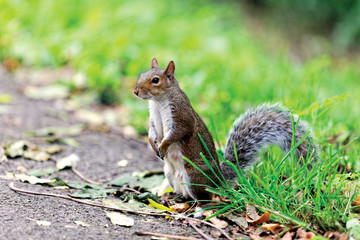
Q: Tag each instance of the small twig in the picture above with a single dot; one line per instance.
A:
(12, 187)
(166, 235)
(130, 189)
(83, 177)
(199, 231)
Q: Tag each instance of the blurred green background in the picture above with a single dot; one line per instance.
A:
(229, 55)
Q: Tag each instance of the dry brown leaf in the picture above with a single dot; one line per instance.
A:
(336, 235)
(217, 222)
(263, 218)
(356, 202)
(180, 207)
(255, 236)
(253, 217)
(304, 235)
(251, 212)
(288, 236)
(272, 227)
(216, 234)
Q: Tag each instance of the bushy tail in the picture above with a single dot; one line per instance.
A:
(261, 127)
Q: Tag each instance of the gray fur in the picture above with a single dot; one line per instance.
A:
(266, 125)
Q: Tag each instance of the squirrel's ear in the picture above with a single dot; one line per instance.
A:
(154, 63)
(170, 69)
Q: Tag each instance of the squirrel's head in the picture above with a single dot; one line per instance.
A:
(155, 82)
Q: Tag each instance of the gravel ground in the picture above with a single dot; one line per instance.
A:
(99, 153)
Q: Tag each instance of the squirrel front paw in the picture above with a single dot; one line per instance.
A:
(155, 146)
(162, 149)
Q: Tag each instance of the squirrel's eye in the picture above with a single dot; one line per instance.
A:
(155, 80)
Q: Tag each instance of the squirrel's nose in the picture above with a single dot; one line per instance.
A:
(136, 92)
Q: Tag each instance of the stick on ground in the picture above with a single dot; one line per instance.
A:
(166, 235)
(15, 189)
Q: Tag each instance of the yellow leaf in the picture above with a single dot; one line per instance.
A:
(158, 206)
(167, 190)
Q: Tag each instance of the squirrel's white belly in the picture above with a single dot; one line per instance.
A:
(175, 170)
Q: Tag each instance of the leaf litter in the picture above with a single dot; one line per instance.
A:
(144, 201)
(67, 162)
(28, 150)
(120, 219)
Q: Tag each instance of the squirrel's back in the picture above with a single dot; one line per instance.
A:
(266, 125)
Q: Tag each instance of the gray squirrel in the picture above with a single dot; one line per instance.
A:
(175, 128)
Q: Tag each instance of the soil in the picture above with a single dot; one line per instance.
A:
(99, 153)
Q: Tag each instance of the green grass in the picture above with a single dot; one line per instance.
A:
(221, 65)
(316, 195)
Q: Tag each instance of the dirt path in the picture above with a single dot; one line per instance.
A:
(99, 153)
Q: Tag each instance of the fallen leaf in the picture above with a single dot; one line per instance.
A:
(238, 220)
(52, 149)
(131, 205)
(81, 223)
(36, 155)
(31, 179)
(261, 231)
(144, 181)
(254, 236)
(304, 235)
(217, 222)
(168, 190)
(41, 172)
(122, 163)
(356, 202)
(69, 141)
(93, 193)
(16, 149)
(180, 207)
(336, 235)
(158, 206)
(216, 234)
(148, 183)
(288, 236)
(29, 150)
(67, 162)
(253, 217)
(272, 227)
(58, 131)
(251, 211)
(43, 223)
(123, 180)
(120, 219)
(5, 98)
(50, 92)
(81, 185)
